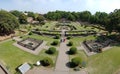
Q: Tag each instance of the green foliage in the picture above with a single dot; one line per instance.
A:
(8, 22)
(31, 14)
(70, 17)
(21, 36)
(40, 18)
(57, 37)
(55, 42)
(30, 33)
(47, 61)
(23, 19)
(84, 16)
(70, 43)
(76, 61)
(51, 50)
(73, 50)
(16, 13)
(68, 37)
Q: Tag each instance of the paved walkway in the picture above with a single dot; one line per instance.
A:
(38, 70)
(62, 58)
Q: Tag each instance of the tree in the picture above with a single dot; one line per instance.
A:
(114, 20)
(70, 17)
(76, 61)
(76, 15)
(100, 18)
(31, 14)
(84, 16)
(73, 50)
(70, 43)
(8, 23)
(55, 43)
(51, 50)
(47, 61)
(40, 18)
(23, 19)
(16, 13)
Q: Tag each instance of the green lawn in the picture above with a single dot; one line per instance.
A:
(49, 25)
(78, 26)
(12, 56)
(77, 40)
(105, 63)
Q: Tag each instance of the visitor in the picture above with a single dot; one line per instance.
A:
(64, 40)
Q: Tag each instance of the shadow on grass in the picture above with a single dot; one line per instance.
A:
(69, 53)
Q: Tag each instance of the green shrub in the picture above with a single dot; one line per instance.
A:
(37, 29)
(30, 33)
(73, 50)
(57, 37)
(68, 37)
(76, 61)
(47, 61)
(55, 43)
(70, 43)
(21, 36)
(51, 50)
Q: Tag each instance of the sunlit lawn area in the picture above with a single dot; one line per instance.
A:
(78, 40)
(79, 27)
(13, 57)
(49, 25)
(106, 62)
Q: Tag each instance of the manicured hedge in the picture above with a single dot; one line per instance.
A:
(70, 43)
(47, 61)
(73, 50)
(76, 61)
(55, 42)
(68, 37)
(30, 33)
(51, 50)
(57, 37)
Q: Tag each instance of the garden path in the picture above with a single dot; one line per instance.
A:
(62, 57)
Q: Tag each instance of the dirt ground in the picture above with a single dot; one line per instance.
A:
(5, 37)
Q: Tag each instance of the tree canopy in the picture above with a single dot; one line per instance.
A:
(8, 22)
(111, 21)
(23, 19)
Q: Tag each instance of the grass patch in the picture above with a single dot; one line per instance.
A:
(77, 40)
(12, 56)
(106, 62)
